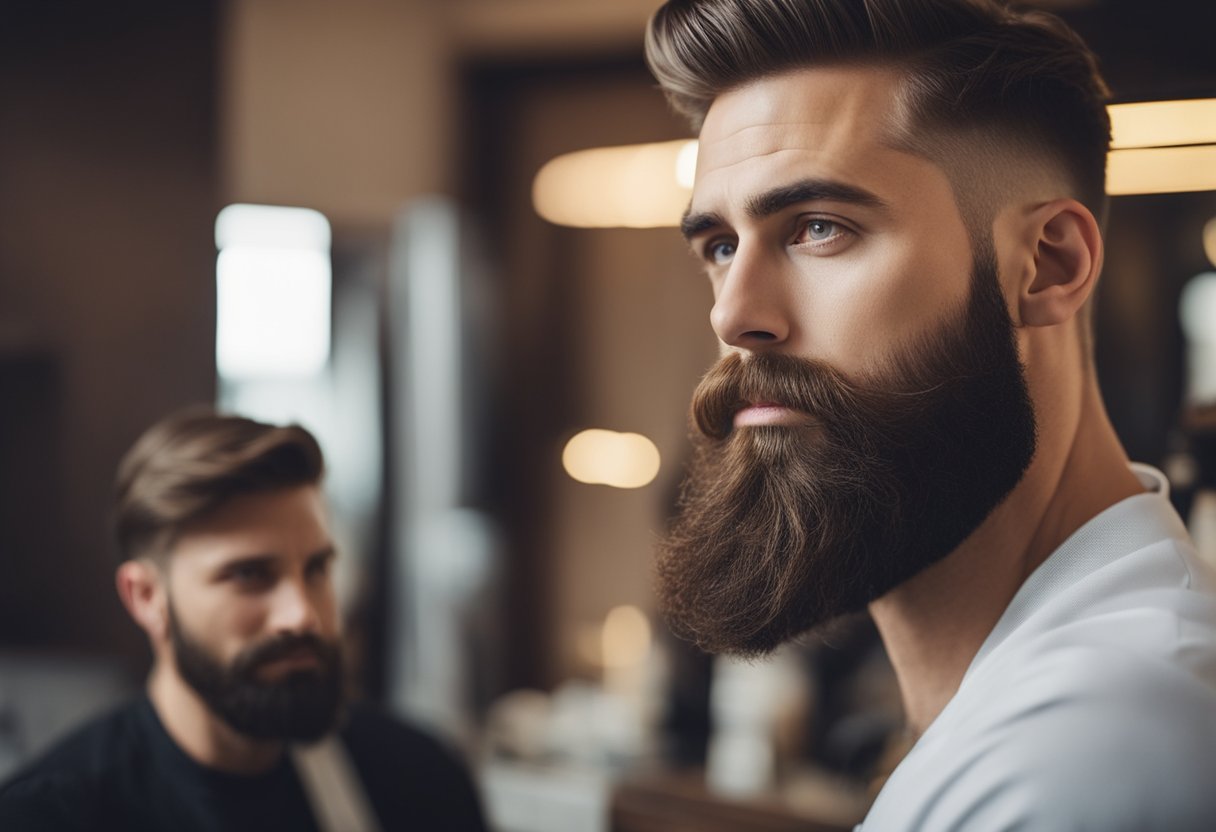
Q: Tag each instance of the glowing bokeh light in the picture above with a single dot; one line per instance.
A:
(626, 637)
(605, 457)
(273, 292)
(1161, 170)
(1163, 123)
(632, 186)
(1158, 147)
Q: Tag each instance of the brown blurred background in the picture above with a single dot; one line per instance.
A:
(126, 126)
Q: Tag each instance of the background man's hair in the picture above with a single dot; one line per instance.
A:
(190, 463)
(1022, 79)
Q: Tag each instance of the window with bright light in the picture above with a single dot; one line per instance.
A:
(273, 292)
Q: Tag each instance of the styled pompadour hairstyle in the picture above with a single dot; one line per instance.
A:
(1016, 79)
(190, 463)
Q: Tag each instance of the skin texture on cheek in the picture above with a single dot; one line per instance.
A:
(224, 621)
(885, 303)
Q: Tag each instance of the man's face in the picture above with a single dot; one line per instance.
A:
(819, 239)
(870, 409)
(253, 618)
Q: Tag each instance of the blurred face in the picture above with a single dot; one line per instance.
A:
(253, 617)
(869, 410)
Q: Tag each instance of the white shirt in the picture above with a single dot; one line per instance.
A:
(1092, 703)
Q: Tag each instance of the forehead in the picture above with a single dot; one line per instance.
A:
(288, 522)
(834, 123)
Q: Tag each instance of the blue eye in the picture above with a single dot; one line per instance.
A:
(720, 252)
(819, 230)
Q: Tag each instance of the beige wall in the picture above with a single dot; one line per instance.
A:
(343, 107)
(349, 107)
(637, 317)
(645, 342)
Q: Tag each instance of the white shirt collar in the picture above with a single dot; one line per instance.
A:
(1127, 526)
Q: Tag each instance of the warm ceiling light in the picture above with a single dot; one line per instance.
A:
(633, 186)
(1163, 123)
(649, 185)
(605, 457)
(1161, 170)
(686, 164)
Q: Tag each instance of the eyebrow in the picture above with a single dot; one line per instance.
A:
(778, 199)
(329, 551)
(238, 561)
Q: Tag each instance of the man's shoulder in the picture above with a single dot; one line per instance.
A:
(368, 729)
(380, 741)
(1064, 701)
(93, 747)
(409, 773)
(1083, 736)
(65, 783)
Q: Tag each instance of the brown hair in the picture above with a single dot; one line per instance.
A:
(1023, 79)
(188, 464)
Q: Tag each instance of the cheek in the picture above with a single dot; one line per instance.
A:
(235, 620)
(222, 621)
(880, 303)
(246, 614)
(327, 609)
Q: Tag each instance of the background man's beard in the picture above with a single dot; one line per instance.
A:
(302, 705)
(783, 528)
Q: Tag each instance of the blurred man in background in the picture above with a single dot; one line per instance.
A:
(227, 562)
(899, 206)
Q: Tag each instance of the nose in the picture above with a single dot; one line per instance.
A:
(750, 308)
(294, 609)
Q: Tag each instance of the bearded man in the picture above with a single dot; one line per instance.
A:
(227, 567)
(899, 205)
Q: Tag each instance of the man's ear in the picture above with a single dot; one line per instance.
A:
(141, 588)
(1067, 257)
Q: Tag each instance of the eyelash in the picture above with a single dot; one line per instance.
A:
(707, 253)
(250, 576)
(803, 223)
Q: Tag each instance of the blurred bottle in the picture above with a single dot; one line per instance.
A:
(755, 708)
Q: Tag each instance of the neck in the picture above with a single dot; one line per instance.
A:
(201, 734)
(933, 625)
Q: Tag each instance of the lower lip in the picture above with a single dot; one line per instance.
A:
(767, 414)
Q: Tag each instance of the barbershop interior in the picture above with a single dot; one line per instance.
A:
(442, 236)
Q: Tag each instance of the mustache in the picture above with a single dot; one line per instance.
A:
(282, 647)
(801, 384)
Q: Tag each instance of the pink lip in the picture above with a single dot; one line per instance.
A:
(767, 413)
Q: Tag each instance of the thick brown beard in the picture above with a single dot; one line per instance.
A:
(784, 528)
(303, 705)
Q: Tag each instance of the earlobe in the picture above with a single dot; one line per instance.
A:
(139, 588)
(1067, 259)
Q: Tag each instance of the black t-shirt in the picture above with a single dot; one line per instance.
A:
(124, 772)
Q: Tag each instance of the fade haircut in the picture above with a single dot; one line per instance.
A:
(976, 76)
(192, 462)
